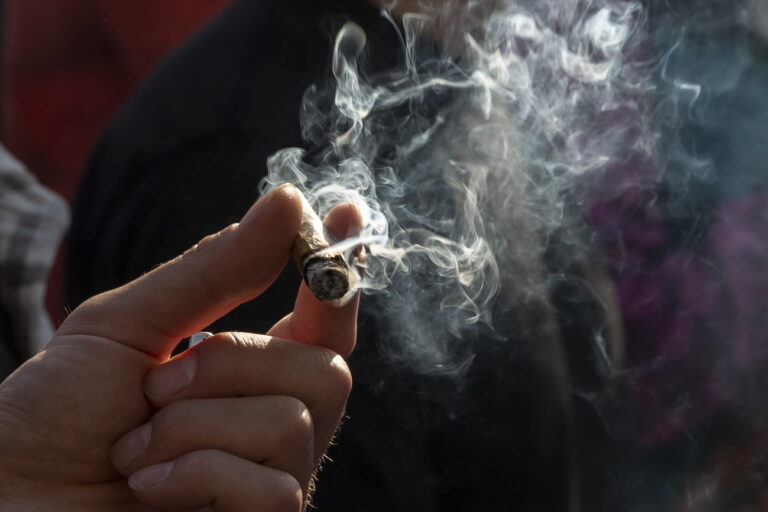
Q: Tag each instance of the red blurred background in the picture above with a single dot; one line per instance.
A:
(68, 65)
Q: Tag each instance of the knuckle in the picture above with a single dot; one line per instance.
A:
(338, 378)
(206, 462)
(206, 249)
(296, 429)
(210, 286)
(208, 243)
(236, 340)
(222, 347)
(83, 315)
(170, 417)
(287, 495)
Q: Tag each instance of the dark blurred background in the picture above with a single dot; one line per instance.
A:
(697, 438)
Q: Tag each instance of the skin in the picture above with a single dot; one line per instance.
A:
(103, 420)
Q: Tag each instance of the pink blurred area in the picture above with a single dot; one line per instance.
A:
(68, 65)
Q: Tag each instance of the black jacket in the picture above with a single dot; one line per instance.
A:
(184, 158)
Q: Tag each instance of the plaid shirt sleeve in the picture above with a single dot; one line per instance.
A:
(32, 223)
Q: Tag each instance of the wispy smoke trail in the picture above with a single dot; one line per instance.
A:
(535, 159)
(472, 157)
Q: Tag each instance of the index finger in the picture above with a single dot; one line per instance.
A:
(186, 294)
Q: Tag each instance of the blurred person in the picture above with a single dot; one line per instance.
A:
(32, 223)
(67, 66)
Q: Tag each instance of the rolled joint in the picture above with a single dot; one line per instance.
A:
(324, 270)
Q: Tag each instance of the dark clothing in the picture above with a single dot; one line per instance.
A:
(184, 159)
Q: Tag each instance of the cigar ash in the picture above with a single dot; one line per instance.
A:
(327, 275)
(324, 270)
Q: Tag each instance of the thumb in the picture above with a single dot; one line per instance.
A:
(319, 323)
(186, 294)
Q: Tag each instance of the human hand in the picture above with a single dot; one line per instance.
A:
(239, 422)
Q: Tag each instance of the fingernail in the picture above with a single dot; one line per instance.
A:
(150, 476)
(199, 337)
(128, 449)
(169, 379)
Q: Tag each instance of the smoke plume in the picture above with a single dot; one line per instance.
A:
(484, 147)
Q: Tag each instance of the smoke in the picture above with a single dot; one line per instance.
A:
(469, 159)
(472, 157)
(534, 165)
